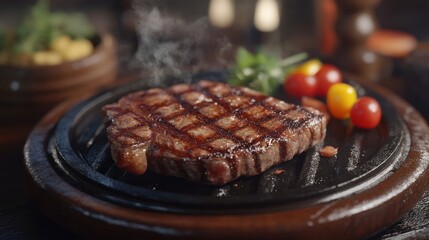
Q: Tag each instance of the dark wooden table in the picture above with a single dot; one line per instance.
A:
(19, 217)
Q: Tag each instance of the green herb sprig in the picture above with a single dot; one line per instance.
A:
(260, 71)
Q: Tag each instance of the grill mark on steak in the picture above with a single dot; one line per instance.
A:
(190, 109)
(277, 133)
(119, 112)
(254, 124)
(240, 113)
(141, 110)
(252, 111)
(243, 143)
(159, 120)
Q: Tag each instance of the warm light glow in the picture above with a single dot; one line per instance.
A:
(267, 15)
(221, 13)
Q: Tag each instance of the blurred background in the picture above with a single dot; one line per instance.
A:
(300, 23)
(377, 40)
(294, 25)
(291, 25)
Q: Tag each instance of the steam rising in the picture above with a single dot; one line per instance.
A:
(169, 46)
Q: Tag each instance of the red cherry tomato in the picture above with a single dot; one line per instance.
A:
(299, 85)
(327, 76)
(366, 113)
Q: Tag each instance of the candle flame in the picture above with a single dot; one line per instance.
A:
(267, 15)
(221, 13)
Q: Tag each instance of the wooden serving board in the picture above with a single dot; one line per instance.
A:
(376, 178)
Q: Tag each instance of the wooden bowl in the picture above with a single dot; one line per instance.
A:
(26, 93)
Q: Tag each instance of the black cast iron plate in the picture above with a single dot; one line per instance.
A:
(80, 152)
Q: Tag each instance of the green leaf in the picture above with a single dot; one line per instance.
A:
(261, 72)
(244, 58)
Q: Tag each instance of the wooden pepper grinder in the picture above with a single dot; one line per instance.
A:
(355, 23)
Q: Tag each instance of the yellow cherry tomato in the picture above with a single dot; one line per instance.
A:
(340, 100)
(310, 68)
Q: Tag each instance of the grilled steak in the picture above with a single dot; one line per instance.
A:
(208, 132)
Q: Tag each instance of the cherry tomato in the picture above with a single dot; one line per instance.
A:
(299, 85)
(340, 100)
(366, 113)
(309, 68)
(326, 77)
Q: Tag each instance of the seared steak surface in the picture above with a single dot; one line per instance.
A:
(209, 132)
